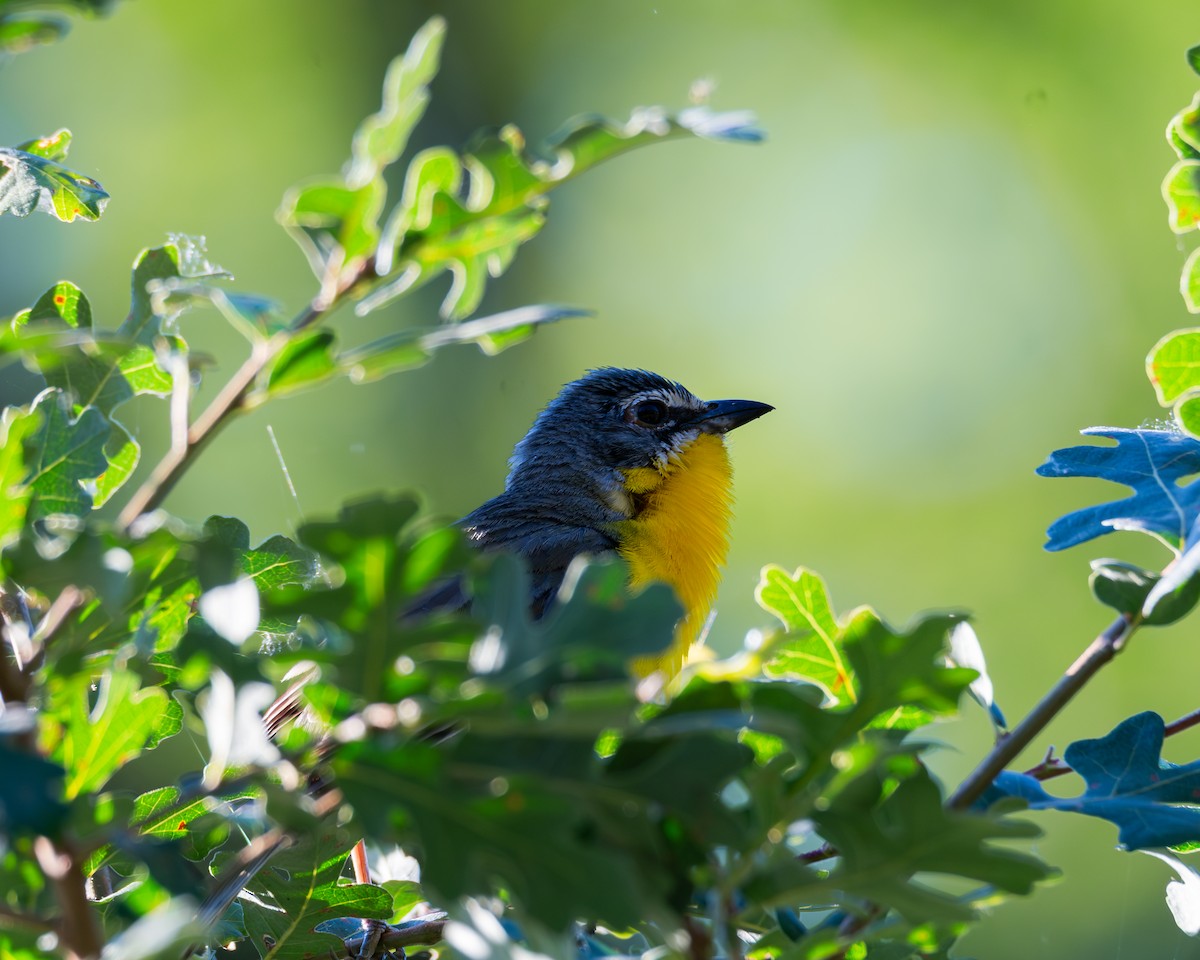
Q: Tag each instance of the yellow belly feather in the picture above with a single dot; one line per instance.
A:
(680, 536)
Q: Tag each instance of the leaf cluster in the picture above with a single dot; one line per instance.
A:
(537, 799)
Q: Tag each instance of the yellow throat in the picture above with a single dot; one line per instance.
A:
(679, 535)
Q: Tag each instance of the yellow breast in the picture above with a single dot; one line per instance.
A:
(679, 535)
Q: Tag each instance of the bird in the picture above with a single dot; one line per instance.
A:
(622, 462)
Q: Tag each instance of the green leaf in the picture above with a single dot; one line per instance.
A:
(20, 34)
(1187, 414)
(411, 348)
(336, 222)
(885, 841)
(18, 428)
(1193, 58)
(1126, 588)
(812, 649)
(534, 837)
(182, 256)
(903, 669)
(252, 316)
(595, 630)
(1173, 365)
(1189, 282)
(435, 229)
(122, 453)
(1181, 190)
(32, 182)
(93, 742)
(333, 223)
(62, 455)
(382, 137)
(53, 147)
(301, 888)
(1183, 132)
(305, 361)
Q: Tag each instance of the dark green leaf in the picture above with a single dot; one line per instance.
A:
(521, 830)
(1127, 589)
(1128, 783)
(31, 793)
(885, 841)
(1193, 58)
(593, 633)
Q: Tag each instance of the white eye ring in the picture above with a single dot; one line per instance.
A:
(648, 413)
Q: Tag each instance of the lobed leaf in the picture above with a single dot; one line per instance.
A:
(301, 889)
(181, 257)
(812, 648)
(63, 454)
(1154, 463)
(885, 842)
(36, 181)
(1151, 801)
(93, 742)
(382, 137)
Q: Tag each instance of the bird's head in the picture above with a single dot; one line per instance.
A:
(614, 419)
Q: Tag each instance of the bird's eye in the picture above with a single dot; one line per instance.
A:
(650, 413)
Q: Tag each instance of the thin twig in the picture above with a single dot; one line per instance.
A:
(358, 859)
(1052, 766)
(10, 919)
(1101, 651)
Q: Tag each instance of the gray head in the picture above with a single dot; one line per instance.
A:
(614, 419)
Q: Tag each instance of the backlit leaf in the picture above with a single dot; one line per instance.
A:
(1153, 463)
(31, 182)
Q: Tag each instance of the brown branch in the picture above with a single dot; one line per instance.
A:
(78, 930)
(423, 932)
(13, 919)
(1101, 651)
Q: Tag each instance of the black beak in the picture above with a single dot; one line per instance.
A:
(721, 416)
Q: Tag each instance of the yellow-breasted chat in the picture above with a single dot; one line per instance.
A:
(625, 462)
(621, 462)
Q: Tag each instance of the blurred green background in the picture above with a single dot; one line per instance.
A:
(950, 255)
